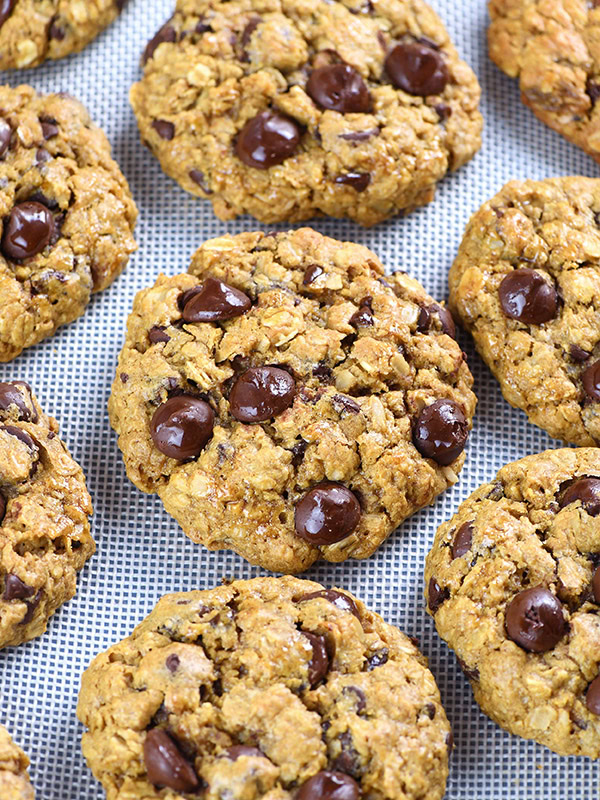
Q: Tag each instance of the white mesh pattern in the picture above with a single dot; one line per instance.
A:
(142, 553)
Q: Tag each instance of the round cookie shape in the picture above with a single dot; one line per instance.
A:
(525, 284)
(326, 389)
(513, 584)
(222, 693)
(44, 508)
(556, 59)
(30, 32)
(66, 214)
(298, 108)
(14, 779)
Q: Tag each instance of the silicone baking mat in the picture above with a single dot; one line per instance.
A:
(142, 553)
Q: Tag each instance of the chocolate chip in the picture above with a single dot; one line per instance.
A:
(318, 666)
(593, 90)
(247, 35)
(357, 180)
(472, 673)
(592, 696)
(172, 662)
(339, 87)
(238, 750)
(443, 111)
(534, 620)
(311, 273)
(587, 491)
(364, 316)
(359, 136)
(164, 128)
(323, 372)
(31, 607)
(15, 589)
(20, 434)
(596, 584)
(348, 761)
(157, 334)
(199, 178)
(2, 508)
(591, 381)
(436, 595)
(417, 69)
(215, 301)
(449, 742)
(49, 127)
(11, 396)
(181, 427)
(56, 31)
(27, 230)
(340, 600)
(443, 314)
(441, 431)
(6, 9)
(165, 765)
(261, 393)
(343, 403)
(5, 136)
(527, 297)
(124, 377)
(378, 659)
(328, 513)
(267, 140)
(462, 540)
(578, 354)
(358, 696)
(165, 34)
(329, 785)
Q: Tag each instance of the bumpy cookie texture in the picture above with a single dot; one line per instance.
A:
(553, 48)
(513, 582)
(287, 401)
(526, 284)
(67, 215)
(33, 30)
(288, 109)
(14, 780)
(44, 508)
(274, 688)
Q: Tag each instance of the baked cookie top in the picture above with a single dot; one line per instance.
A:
(526, 284)
(44, 508)
(288, 401)
(272, 687)
(33, 30)
(14, 780)
(553, 48)
(513, 582)
(289, 109)
(67, 215)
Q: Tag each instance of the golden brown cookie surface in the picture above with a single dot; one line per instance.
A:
(14, 780)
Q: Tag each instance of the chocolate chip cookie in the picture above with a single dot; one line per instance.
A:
(287, 401)
(553, 48)
(526, 284)
(272, 687)
(44, 508)
(513, 583)
(14, 780)
(67, 215)
(33, 30)
(296, 108)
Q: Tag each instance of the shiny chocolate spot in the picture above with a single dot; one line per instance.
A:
(528, 297)
(578, 354)
(157, 334)
(16, 589)
(444, 316)
(318, 666)
(21, 435)
(31, 607)
(417, 69)
(238, 750)
(311, 274)
(592, 697)
(5, 136)
(165, 765)
(591, 381)
(441, 431)
(378, 659)
(199, 179)
(339, 87)
(164, 128)
(364, 316)
(327, 513)
(165, 34)
(27, 230)
(340, 600)
(462, 540)
(436, 596)
(586, 491)
(360, 136)
(534, 620)
(267, 140)
(261, 393)
(342, 403)
(6, 9)
(329, 785)
(357, 180)
(181, 427)
(49, 127)
(216, 301)
(11, 396)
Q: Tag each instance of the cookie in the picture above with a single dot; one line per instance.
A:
(513, 583)
(271, 687)
(33, 30)
(67, 215)
(526, 285)
(553, 48)
(14, 780)
(291, 109)
(287, 401)
(44, 508)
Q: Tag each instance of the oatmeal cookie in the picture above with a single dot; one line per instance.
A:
(14, 780)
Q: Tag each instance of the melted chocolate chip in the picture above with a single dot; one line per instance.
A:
(357, 180)
(49, 127)
(360, 136)
(378, 659)
(443, 314)
(462, 540)
(15, 589)
(22, 435)
(215, 301)
(534, 620)
(318, 666)
(364, 316)
(5, 136)
(27, 230)
(31, 607)
(592, 696)
(199, 179)
(348, 761)
(417, 69)
(261, 393)
(339, 87)
(165, 765)
(329, 785)
(587, 491)
(238, 750)
(578, 354)
(56, 31)
(441, 431)
(342, 402)
(596, 584)
(436, 595)
(2, 508)
(247, 35)
(323, 373)
(591, 381)
(357, 696)
(11, 396)
(338, 599)
(267, 140)
(527, 297)
(164, 128)
(6, 9)
(165, 34)
(181, 427)
(172, 662)
(157, 334)
(311, 273)
(328, 513)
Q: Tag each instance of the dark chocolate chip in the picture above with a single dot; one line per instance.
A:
(436, 595)
(199, 178)
(172, 662)
(357, 696)
(311, 273)
(417, 69)
(31, 607)
(587, 491)
(267, 139)
(15, 589)
(238, 750)
(591, 381)
(348, 761)
(165, 765)
(42, 156)
(441, 431)
(329, 785)
(340, 600)
(339, 87)
(6, 9)
(49, 127)
(11, 396)
(318, 666)
(528, 297)
(216, 301)
(247, 35)
(20, 434)
(56, 31)
(450, 742)
(359, 136)
(534, 620)
(157, 334)
(363, 318)
(578, 354)
(378, 659)
(593, 90)
(181, 427)
(596, 584)
(323, 372)
(2, 508)
(27, 230)
(472, 673)
(165, 34)
(592, 697)
(164, 128)
(328, 513)
(444, 112)
(443, 314)
(5, 136)
(124, 377)
(462, 540)
(342, 402)
(261, 393)
(298, 451)
(357, 180)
